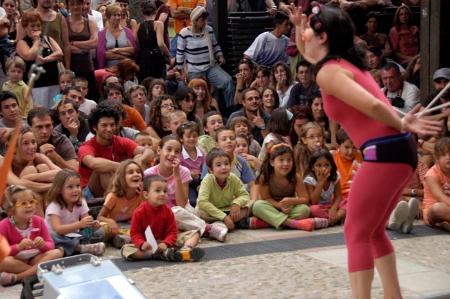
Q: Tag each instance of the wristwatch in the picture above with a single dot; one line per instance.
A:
(413, 193)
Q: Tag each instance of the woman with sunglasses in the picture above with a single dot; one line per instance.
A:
(353, 99)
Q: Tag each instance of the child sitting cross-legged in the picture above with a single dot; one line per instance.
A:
(156, 215)
(283, 197)
(322, 182)
(222, 195)
(27, 234)
(123, 197)
(67, 215)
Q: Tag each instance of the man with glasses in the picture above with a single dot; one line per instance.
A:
(253, 111)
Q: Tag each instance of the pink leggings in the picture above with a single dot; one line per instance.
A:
(375, 192)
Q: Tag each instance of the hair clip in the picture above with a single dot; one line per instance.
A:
(277, 146)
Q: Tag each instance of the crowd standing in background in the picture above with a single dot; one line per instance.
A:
(158, 132)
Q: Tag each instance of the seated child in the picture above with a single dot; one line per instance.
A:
(67, 216)
(436, 199)
(176, 118)
(311, 139)
(147, 158)
(123, 197)
(155, 214)
(347, 159)
(192, 157)
(15, 67)
(222, 195)
(242, 126)
(243, 148)
(85, 105)
(323, 186)
(283, 197)
(212, 121)
(65, 79)
(226, 140)
(27, 234)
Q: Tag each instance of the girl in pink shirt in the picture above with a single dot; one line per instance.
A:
(27, 235)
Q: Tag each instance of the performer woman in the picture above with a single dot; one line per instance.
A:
(353, 99)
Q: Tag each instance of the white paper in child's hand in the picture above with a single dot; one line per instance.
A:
(151, 239)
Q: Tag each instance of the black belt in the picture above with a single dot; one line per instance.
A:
(399, 148)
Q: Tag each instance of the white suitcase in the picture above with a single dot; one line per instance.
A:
(85, 276)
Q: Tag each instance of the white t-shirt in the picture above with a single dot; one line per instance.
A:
(409, 93)
(87, 106)
(97, 17)
(267, 49)
(66, 216)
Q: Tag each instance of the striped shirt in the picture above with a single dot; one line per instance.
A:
(193, 49)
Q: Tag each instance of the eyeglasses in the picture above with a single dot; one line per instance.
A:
(24, 204)
(167, 106)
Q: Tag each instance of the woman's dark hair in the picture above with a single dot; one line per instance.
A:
(286, 69)
(267, 170)
(155, 113)
(339, 27)
(376, 51)
(102, 110)
(322, 153)
(148, 8)
(181, 94)
(248, 62)
(215, 153)
(276, 97)
(280, 123)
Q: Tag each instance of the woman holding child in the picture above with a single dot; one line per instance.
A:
(353, 99)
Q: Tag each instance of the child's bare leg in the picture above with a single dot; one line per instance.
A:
(46, 256)
(192, 241)
(439, 212)
(12, 265)
(139, 255)
(42, 168)
(340, 215)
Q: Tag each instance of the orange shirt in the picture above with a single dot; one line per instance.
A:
(181, 23)
(428, 198)
(121, 208)
(134, 119)
(346, 169)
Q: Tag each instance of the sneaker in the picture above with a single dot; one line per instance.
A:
(95, 249)
(398, 216)
(320, 223)
(187, 254)
(413, 207)
(7, 279)
(170, 255)
(119, 240)
(255, 223)
(218, 231)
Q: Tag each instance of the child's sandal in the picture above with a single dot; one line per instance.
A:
(7, 279)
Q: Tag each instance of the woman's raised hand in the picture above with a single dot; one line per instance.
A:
(296, 15)
(423, 124)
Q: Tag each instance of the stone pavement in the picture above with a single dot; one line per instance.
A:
(287, 264)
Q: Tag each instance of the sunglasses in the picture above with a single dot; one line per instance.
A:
(24, 204)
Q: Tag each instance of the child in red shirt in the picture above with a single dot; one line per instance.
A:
(154, 213)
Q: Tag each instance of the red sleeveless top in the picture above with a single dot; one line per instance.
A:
(358, 126)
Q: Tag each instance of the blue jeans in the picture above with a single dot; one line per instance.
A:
(173, 46)
(220, 79)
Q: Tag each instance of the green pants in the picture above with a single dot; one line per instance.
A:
(264, 210)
